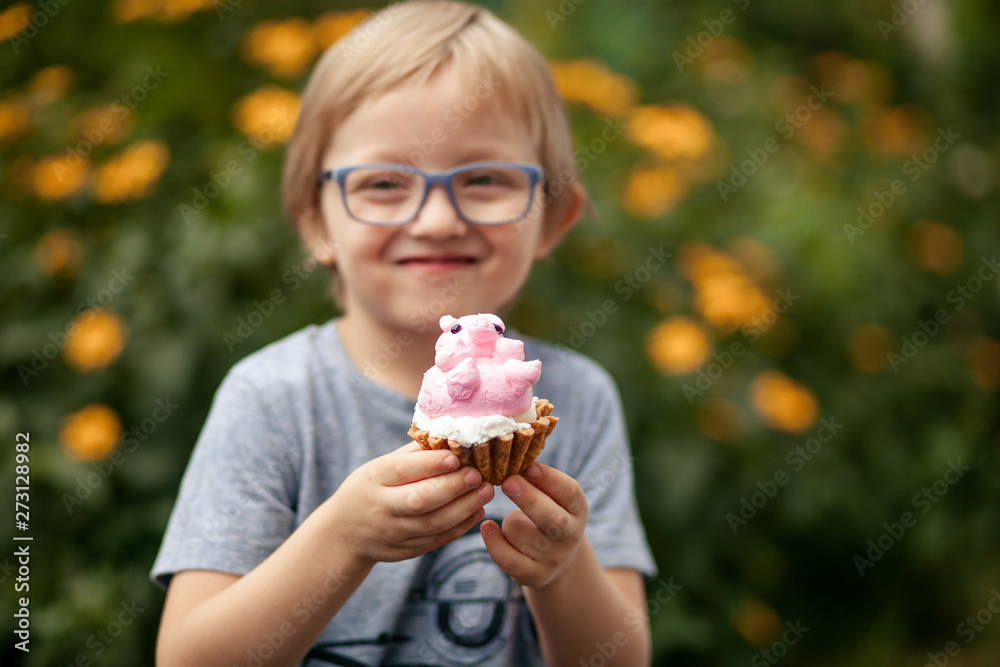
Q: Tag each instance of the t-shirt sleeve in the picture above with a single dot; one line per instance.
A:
(237, 497)
(602, 464)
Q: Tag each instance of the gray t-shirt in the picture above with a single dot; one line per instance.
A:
(290, 422)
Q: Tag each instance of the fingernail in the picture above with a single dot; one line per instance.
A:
(451, 463)
(486, 494)
(512, 487)
(533, 472)
(472, 478)
(487, 528)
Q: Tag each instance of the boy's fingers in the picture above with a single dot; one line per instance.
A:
(551, 518)
(559, 486)
(410, 463)
(505, 554)
(427, 495)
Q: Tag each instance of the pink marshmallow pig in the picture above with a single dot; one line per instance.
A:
(477, 371)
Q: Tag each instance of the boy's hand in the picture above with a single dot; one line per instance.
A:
(406, 503)
(539, 539)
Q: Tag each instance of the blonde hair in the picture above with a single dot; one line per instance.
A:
(406, 43)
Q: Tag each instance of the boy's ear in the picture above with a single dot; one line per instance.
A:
(554, 233)
(316, 238)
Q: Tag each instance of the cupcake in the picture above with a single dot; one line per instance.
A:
(476, 399)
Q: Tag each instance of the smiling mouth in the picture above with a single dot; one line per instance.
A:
(437, 261)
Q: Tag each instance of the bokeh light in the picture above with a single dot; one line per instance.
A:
(95, 338)
(91, 433)
(783, 403)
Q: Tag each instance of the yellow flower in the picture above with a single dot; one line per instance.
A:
(759, 624)
(59, 176)
(331, 26)
(898, 132)
(102, 125)
(124, 11)
(724, 294)
(869, 348)
(14, 117)
(935, 247)
(92, 433)
(95, 339)
(674, 132)
(267, 114)
(678, 346)
(593, 84)
(783, 403)
(132, 173)
(14, 19)
(285, 48)
(652, 190)
(58, 253)
(49, 84)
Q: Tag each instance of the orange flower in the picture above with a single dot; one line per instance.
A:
(49, 84)
(285, 48)
(331, 26)
(267, 114)
(673, 132)
(59, 176)
(593, 84)
(92, 433)
(58, 253)
(132, 173)
(757, 622)
(14, 117)
(984, 363)
(652, 191)
(935, 247)
(95, 339)
(678, 346)
(783, 403)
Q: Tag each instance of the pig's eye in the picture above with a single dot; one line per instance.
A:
(498, 328)
(455, 328)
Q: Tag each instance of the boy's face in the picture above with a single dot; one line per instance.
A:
(406, 277)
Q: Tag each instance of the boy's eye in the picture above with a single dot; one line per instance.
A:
(455, 328)
(484, 178)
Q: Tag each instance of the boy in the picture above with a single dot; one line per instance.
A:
(303, 532)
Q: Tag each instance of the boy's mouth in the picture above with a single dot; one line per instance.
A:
(435, 263)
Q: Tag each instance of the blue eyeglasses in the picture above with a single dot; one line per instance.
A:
(483, 193)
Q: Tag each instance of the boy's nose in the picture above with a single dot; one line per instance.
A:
(437, 218)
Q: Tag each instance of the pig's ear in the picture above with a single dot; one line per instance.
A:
(446, 322)
(495, 321)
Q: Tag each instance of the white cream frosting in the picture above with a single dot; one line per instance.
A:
(469, 431)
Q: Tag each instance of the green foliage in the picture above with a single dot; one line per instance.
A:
(97, 527)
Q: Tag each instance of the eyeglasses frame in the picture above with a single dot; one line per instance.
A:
(432, 178)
